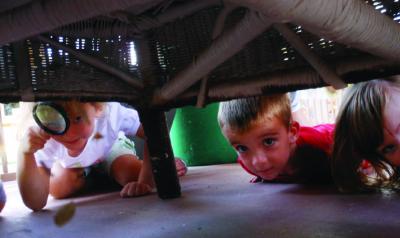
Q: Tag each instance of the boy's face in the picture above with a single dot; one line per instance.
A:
(265, 148)
(81, 127)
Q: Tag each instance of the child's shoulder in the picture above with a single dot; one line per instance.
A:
(120, 117)
(114, 111)
(324, 130)
(320, 136)
(112, 106)
(320, 128)
(116, 107)
(312, 164)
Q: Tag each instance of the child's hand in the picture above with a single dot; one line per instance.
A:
(181, 167)
(34, 140)
(366, 168)
(135, 189)
(256, 180)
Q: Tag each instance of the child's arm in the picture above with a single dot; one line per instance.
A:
(146, 175)
(33, 181)
(145, 182)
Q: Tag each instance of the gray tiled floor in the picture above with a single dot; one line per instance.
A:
(217, 201)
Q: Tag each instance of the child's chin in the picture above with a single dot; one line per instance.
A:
(76, 146)
(269, 177)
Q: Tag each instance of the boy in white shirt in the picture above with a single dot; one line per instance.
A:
(78, 138)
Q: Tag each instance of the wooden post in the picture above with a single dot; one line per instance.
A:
(156, 130)
(161, 155)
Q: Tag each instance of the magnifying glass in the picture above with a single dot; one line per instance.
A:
(51, 117)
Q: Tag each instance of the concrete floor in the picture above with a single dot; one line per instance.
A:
(217, 201)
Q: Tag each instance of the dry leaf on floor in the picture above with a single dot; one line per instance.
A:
(65, 214)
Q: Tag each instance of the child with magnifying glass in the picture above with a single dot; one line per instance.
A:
(78, 143)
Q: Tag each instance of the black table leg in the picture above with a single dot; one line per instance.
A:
(161, 154)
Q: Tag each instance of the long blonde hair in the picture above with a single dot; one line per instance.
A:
(359, 133)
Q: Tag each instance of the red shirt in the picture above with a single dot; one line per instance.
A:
(320, 137)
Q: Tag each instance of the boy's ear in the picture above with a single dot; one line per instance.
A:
(99, 113)
(99, 109)
(294, 129)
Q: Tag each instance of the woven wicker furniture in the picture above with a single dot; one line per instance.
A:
(161, 54)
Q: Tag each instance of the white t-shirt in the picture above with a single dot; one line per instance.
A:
(115, 119)
(294, 101)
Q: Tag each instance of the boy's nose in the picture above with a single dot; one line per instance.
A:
(73, 130)
(397, 136)
(260, 161)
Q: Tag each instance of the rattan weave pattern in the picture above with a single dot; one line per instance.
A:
(174, 45)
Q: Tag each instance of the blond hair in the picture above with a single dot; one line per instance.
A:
(239, 114)
(73, 107)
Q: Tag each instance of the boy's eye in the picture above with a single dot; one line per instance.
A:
(269, 141)
(241, 148)
(77, 119)
(388, 149)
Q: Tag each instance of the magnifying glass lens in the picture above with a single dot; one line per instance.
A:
(50, 119)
